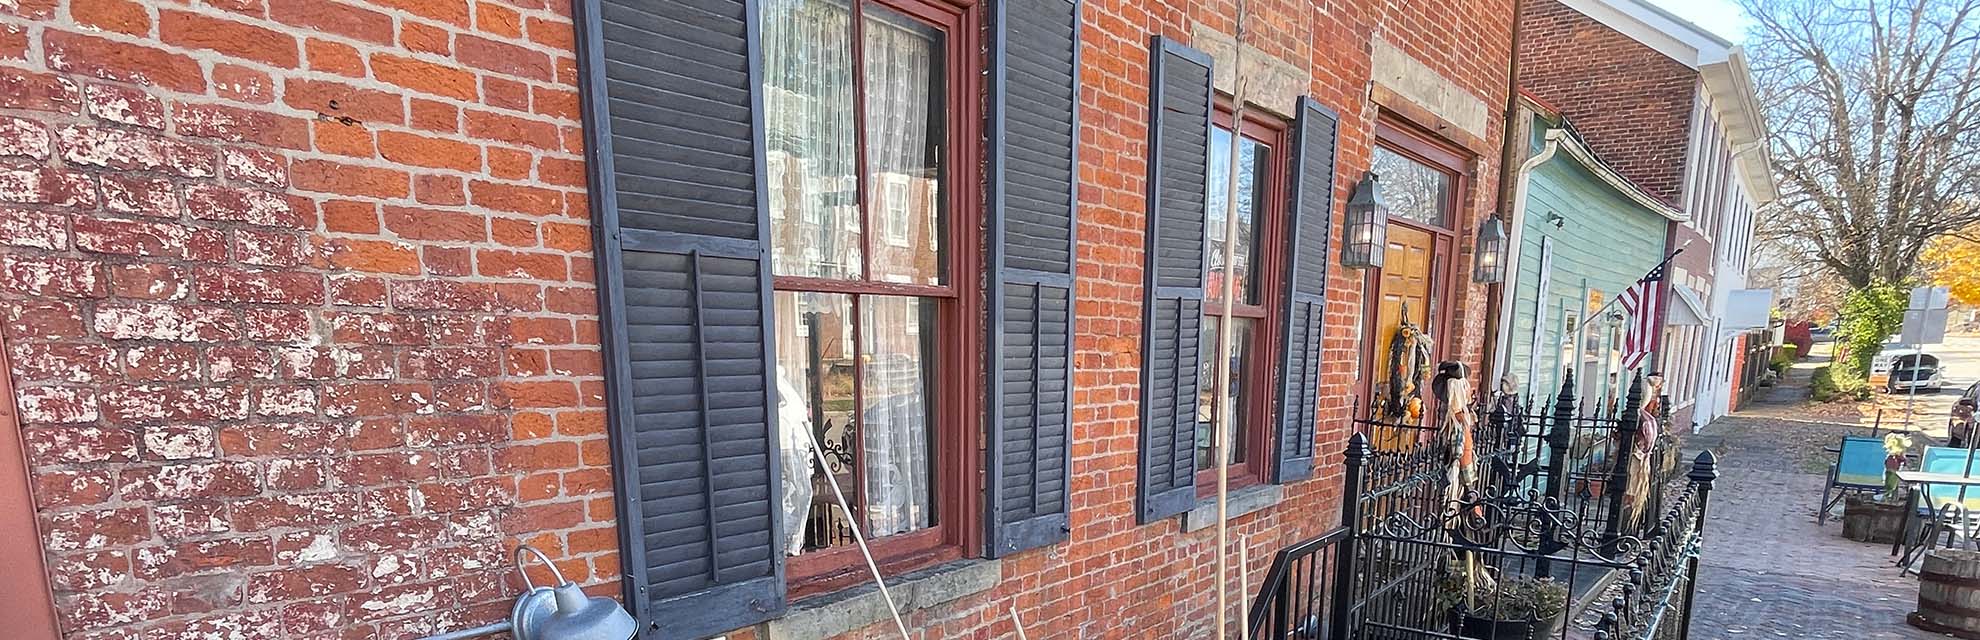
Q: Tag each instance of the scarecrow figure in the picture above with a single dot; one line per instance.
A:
(1452, 387)
(1636, 494)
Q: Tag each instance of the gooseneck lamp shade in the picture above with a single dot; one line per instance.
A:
(1367, 225)
(564, 612)
(1490, 252)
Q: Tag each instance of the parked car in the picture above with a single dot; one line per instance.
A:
(1880, 364)
(1911, 370)
(1822, 332)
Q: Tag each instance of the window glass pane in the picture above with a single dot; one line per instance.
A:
(896, 410)
(1415, 191)
(1254, 165)
(904, 131)
(809, 138)
(815, 355)
(1206, 406)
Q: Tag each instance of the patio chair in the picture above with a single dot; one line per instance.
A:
(1859, 468)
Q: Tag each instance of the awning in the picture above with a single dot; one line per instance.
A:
(1689, 312)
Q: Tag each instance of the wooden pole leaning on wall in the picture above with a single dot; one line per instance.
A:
(1221, 418)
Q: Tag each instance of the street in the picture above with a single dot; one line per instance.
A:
(1768, 570)
(1960, 355)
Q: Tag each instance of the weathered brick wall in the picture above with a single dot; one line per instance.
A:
(1632, 103)
(299, 306)
(298, 294)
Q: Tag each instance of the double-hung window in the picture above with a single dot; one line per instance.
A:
(1278, 273)
(1256, 277)
(812, 274)
(859, 105)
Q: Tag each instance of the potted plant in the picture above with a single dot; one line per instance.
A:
(1486, 608)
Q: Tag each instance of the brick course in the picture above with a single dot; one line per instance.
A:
(298, 295)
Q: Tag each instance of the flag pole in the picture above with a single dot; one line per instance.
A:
(1221, 419)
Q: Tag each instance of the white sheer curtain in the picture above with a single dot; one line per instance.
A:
(897, 57)
(809, 137)
(895, 414)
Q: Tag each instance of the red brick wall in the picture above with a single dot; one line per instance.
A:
(298, 299)
(298, 294)
(1115, 578)
(1632, 103)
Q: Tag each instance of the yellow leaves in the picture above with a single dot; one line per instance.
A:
(1955, 264)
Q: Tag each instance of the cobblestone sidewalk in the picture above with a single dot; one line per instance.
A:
(1768, 571)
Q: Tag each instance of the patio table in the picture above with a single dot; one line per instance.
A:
(1915, 482)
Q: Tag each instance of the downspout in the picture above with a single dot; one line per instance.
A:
(1511, 146)
(1503, 320)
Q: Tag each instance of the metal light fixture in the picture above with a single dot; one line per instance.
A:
(562, 612)
(1366, 228)
(1489, 265)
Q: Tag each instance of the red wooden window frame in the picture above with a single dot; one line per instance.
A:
(1414, 143)
(1255, 432)
(957, 431)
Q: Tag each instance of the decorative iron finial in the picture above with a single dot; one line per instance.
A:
(1705, 469)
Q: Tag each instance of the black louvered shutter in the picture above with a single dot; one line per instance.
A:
(1034, 132)
(1312, 211)
(1172, 298)
(670, 118)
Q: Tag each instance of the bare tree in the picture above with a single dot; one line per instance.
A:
(1874, 111)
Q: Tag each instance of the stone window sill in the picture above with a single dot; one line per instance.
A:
(855, 608)
(1250, 499)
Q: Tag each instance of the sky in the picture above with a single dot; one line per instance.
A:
(1720, 17)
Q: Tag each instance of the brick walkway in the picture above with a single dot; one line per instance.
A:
(1767, 570)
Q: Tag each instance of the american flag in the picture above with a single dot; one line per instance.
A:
(1645, 303)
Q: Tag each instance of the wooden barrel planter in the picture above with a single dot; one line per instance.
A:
(1949, 594)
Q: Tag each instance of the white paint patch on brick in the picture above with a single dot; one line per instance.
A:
(320, 548)
(180, 443)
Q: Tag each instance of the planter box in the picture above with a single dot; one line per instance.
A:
(1867, 520)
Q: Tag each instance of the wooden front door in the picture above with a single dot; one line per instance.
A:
(1411, 284)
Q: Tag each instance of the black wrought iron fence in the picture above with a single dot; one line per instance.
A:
(1558, 507)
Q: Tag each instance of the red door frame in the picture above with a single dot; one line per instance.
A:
(1411, 142)
(24, 591)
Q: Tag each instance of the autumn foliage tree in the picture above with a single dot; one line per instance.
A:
(1954, 262)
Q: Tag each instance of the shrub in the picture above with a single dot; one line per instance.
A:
(1868, 316)
(1784, 358)
(1797, 333)
(1830, 384)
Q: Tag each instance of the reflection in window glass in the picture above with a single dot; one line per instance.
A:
(904, 130)
(809, 138)
(1415, 191)
(895, 409)
(1254, 165)
(815, 362)
(858, 368)
(1206, 406)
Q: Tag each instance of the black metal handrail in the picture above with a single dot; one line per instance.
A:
(1295, 599)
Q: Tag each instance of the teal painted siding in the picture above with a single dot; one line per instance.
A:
(1606, 243)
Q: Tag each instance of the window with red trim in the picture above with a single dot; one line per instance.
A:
(867, 134)
(1256, 270)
